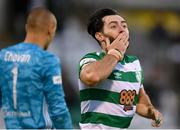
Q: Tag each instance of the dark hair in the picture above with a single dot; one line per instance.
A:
(95, 23)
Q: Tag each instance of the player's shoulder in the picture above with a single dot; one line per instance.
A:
(8, 48)
(21, 46)
(50, 57)
(94, 55)
(130, 58)
(91, 57)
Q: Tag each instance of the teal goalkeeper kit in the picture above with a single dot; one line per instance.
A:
(31, 89)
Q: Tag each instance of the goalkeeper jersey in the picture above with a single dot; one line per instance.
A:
(32, 91)
(111, 103)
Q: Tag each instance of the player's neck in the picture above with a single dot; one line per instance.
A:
(38, 39)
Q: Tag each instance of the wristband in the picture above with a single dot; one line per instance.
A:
(119, 52)
(116, 53)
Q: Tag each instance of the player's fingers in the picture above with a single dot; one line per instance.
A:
(158, 120)
(127, 44)
(158, 125)
(125, 39)
(107, 41)
(153, 123)
(120, 36)
(158, 115)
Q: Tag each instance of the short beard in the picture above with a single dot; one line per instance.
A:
(111, 39)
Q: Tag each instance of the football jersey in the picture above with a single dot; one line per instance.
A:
(31, 86)
(111, 103)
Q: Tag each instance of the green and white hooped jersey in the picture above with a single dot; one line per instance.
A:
(112, 103)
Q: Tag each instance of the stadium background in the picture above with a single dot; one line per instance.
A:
(154, 34)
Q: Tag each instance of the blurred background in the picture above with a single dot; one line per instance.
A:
(154, 37)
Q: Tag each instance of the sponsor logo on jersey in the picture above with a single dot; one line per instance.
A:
(127, 99)
(57, 79)
(117, 75)
(9, 56)
(128, 107)
(7, 113)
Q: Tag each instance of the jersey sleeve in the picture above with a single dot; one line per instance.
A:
(141, 75)
(0, 99)
(54, 94)
(89, 58)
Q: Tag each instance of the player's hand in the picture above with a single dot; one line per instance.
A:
(120, 43)
(158, 119)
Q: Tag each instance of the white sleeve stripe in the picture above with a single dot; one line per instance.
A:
(86, 60)
(85, 65)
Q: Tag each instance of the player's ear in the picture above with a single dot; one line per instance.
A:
(26, 27)
(99, 36)
(102, 39)
(51, 29)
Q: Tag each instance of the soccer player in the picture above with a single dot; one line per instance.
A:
(111, 82)
(30, 79)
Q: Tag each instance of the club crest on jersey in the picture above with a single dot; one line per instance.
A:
(138, 76)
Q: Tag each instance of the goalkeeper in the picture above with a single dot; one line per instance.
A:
(30, 79)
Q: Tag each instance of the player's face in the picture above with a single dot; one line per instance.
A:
(113, 26)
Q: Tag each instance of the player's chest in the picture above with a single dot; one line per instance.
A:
(127, 73)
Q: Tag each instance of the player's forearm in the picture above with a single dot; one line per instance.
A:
(99, 70)
(144, 106)
(146, 111)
